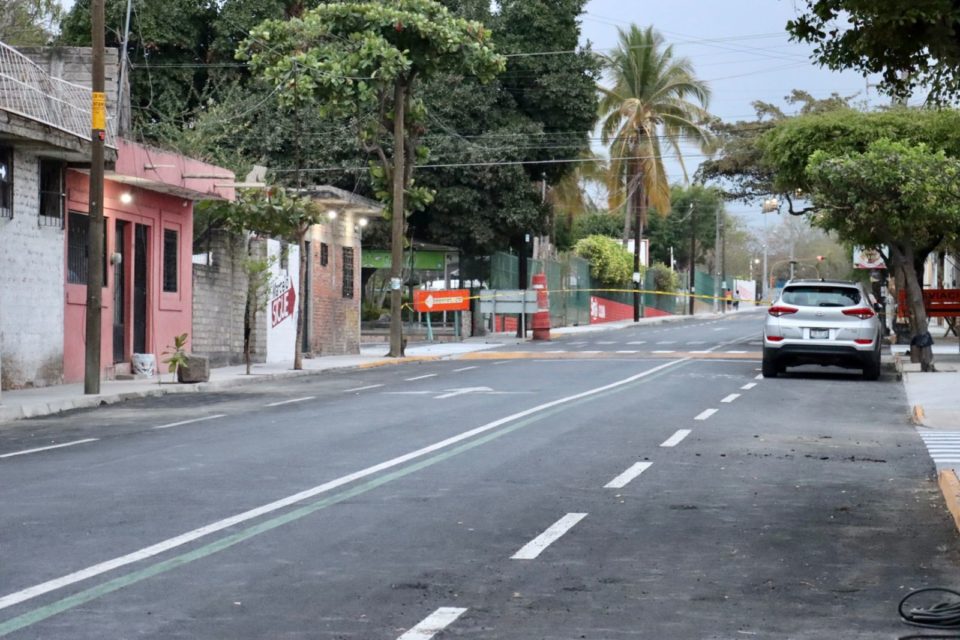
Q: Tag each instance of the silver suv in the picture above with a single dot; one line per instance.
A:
(825, 322)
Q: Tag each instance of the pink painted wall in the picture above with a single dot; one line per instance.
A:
(149, 163)
(168, 314)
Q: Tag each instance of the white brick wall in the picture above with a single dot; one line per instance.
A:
(281, 338)
(31, 287)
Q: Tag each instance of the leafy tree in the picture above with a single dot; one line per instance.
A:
(610, 263)
(271, 213)
(909, 44)
(788, 146)
(25, 23)
(168, 48)
(557, 91)
(352, 59)
(738, 168)
(673, 229)
(598, 223)
(893, 195)
(654, 102)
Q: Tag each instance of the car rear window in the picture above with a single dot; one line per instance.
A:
(821, 296)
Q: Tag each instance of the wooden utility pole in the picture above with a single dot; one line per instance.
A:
(397, 224)
(95, 251)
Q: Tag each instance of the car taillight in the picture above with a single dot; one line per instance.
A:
(774, 338)
(864, 313)
(863, 341)
(781, 310)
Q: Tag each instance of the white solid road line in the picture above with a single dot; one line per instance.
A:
(433, 623)
(676, 438)
(183, 422)
(463, 369)
(429, 375)
(706, 414)
(627, 476)
(731, 397)
(53, 446)
(190, 536)
(748, 386)
(369, 386)
(295, 400)
(536, 546)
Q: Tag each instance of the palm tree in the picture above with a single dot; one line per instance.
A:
(569, 197)
(654, 101)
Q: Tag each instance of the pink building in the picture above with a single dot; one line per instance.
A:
(147, 297)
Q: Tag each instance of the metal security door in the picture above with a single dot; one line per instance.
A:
(120, 294)
(141, 246)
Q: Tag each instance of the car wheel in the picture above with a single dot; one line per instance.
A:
(871, 370)
(770, 368)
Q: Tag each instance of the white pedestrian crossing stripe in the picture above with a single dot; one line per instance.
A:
(944, 447)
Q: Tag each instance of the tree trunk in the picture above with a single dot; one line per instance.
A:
(249, 311)
(921, 349)
(301, 302)
(399, 218)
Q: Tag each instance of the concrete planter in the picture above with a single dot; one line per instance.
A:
(197, 369)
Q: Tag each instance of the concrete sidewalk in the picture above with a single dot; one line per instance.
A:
(29, 403)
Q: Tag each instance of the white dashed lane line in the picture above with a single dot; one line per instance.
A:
(424, 377)
(433, 624)
(183, 422)
(676, 438)
(369, 386)
(730, 398)
(759, 377)
(748, 386)
(536, 546)
(704, 415)
(627, 476)
(53, 446)
(283, 402)
(463, 369)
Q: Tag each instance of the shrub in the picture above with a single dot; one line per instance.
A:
(610, 262)
(665, 278)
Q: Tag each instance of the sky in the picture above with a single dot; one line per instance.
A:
(740, 47)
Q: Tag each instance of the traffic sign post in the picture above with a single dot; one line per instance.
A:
(429, 300)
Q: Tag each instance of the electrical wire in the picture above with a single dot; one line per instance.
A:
(942, 615)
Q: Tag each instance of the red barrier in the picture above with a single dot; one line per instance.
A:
(541, 319)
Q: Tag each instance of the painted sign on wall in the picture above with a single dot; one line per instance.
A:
(283, 300)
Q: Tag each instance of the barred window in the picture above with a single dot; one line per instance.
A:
(78, 249)
(52, 194)
(6, 182)
(348, 272)
(324, 254)
(171, 243)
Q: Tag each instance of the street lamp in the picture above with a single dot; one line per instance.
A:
(769, 206)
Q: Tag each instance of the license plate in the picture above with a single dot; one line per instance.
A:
(819, 334)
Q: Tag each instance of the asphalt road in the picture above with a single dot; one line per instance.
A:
(638, 483)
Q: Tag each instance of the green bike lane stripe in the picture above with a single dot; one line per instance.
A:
(87, 595)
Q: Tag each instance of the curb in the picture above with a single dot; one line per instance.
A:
(950, 487)
(10, 415)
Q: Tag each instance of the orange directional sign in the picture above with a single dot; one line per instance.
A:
(425, 300)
